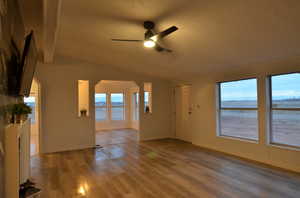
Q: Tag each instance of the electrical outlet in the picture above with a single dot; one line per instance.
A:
(1, 148)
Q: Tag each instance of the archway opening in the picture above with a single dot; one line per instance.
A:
(117, 112)
(33, 100)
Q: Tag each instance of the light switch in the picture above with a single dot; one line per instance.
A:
(1, 148)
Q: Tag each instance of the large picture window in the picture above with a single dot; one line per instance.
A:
(117, 106)
(101, 106)
(237, 109)
(285, 109)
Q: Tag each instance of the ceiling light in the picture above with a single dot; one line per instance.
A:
(149, 43)
(154, 38)
(81, 191)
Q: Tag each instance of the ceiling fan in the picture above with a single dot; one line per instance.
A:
(152, 39)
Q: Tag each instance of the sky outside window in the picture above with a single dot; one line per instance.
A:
(117, 98)
(146, 98)
(283, 87)
(286, 86)
(286, 122)
(100, 99)
(241, 93)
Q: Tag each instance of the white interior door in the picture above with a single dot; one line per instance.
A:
(183, 112)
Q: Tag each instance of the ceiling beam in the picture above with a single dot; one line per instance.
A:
(52, 13)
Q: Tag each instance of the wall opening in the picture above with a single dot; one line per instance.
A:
(33, 100)
(83, 98)
(148, 97)
(116, 111)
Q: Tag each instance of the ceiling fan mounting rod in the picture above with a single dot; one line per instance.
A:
(149, 25)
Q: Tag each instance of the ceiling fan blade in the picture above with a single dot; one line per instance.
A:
(167, 31)
(127, 40)
(168, 50)
(159, 48)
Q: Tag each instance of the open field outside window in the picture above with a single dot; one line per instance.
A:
(117, 106)
(237, 109)
(285, 109)
(101, 106)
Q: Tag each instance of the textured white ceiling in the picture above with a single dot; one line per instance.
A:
(214, 36)
(32, 14)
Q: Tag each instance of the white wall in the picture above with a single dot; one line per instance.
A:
(150, 128)
(62, 129)
(202, 126)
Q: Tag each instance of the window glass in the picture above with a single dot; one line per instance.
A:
(100, 106)
(239, 123)
(285, 110)
(30, 101)
(117, 106)
(240, 94)
(286, 91)
(146, 98)
(238, 109)
(286, 127)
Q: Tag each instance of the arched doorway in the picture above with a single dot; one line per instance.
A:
(34, 102)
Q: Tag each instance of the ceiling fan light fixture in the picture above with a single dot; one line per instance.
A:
(154, 38)
(149, 43)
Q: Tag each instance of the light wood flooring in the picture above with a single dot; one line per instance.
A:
(156, 169)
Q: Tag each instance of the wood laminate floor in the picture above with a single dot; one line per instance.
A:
(122, 136)
(156, 169)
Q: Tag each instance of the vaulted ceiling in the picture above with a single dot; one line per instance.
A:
(42, 17)
(214, 36)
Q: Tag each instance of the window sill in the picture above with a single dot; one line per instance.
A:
(282, 146)
(238, 139)
(83, 117)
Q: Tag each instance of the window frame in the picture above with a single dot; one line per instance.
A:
(220, 108)
(270, 110)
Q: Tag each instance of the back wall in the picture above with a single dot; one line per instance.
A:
(62, 129)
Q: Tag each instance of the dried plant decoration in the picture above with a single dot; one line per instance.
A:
(3, 7)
